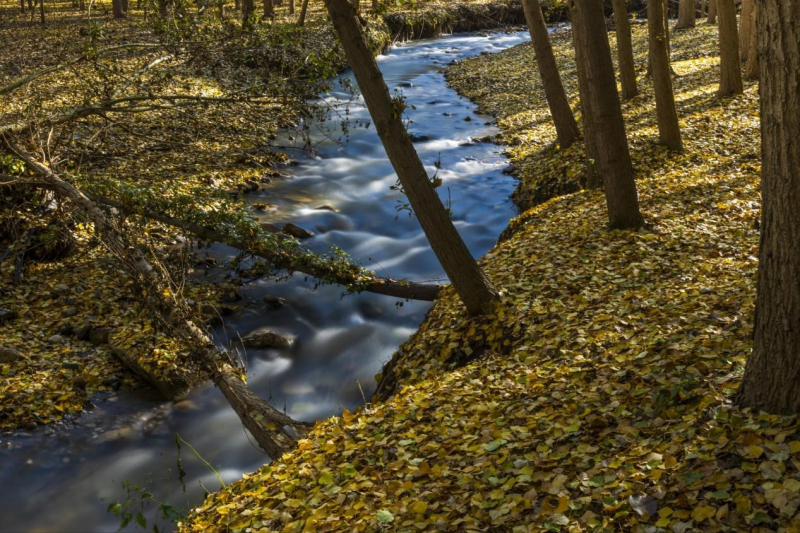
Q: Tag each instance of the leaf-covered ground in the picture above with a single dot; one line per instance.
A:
(601, 397)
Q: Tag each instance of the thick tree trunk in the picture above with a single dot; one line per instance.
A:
(730, 81)
(266, 423)
(686, 14)
(669, 132)
(751, 67)
(269, 9)
(564, 120)
(613, 161)
(747, 23)
(117, 8)
(627, 68)
(467, 277)
(712, 12)
(772, 375)
(301, 20)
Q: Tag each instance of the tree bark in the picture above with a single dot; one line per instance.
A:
(669, 132)
(291, 7)
(613, 161)
(41, 11)
(730, 63)
(117, 9)
(266, 423)
(712, 12)
(751, 67)
(22, 5)
(627, 67)
(702, 12)
(747, 23)
(469, 281)
(301, 20)
(772, 373)
(686, 14)
(269, 9)
(564, 120)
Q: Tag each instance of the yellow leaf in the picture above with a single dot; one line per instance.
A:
(419, 507)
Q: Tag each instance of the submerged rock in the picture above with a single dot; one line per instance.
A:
(297, 232)
(264, 338)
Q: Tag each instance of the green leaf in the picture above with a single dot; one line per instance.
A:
(385, 517)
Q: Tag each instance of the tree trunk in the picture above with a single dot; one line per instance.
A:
(41, 11)
(702, 12)
(669, 132)
(772, 373)
(686, 14)
(751, 68)
(301, 20)
(269, 9)
(564, 120)
(747, 22)
(22, 5)
(730, 81)
(291, 7)
(117, 8)
(627, 68)
(162, 8)
(468, 279)
(602, 102)
(712, 12)
(248, 7)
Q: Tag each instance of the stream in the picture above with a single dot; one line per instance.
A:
(57, 480)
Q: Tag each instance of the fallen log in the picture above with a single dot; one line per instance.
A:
(274, 431)
(409, 290)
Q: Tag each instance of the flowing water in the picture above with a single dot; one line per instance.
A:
(57, 482)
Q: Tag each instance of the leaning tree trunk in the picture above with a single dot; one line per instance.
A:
(712, 12)
(301, 20)
(730, 64)
(267, 424)
(469, 281)
(627, 67)
(747, 23)
(751, 67)
(669, 132)
(772, 373)
(686, 14)
(564, 120)
(602, 102)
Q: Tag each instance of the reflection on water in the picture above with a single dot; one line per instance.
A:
(56, 483)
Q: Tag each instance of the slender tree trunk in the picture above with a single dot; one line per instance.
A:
(301, 20)
(291, 7)
(564, 120)
(269, 9)
(627, 68)
(613, 158)
(747, 23)
(687, 14)
(162, 8)
(730, 63)
(712, 12)
(669, 132)
(22, 5)
(702, 12)
(41, 11)
(772, 373)
(751, 67)
(468, 279)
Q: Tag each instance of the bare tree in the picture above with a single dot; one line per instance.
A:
(564, 120)
(772, 373)
(601, 104)
(669, 131)
(469, 281)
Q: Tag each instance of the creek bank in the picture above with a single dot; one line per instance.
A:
(612, 409)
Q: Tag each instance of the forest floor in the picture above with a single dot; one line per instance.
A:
(63, 318)
(599, 397)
